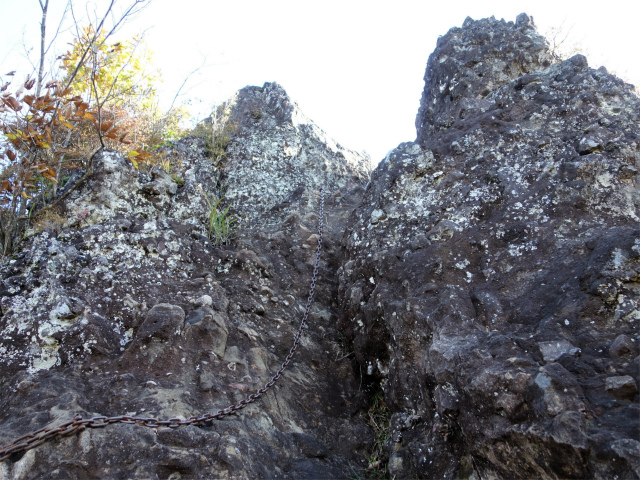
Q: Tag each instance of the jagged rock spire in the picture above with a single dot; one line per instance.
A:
(470, 62)
(277, 152)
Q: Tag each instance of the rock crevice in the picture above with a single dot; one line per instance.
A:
(477, 300)
(492, 266)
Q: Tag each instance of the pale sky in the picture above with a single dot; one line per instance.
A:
(355, 67)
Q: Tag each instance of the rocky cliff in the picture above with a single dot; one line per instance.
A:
(128, 309)
(480, 288)
(490, 275)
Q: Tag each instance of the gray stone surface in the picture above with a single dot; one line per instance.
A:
(129, 309)
(281, 158)
(489, 283)
(482, 285)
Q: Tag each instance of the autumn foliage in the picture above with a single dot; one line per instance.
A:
(104, 98)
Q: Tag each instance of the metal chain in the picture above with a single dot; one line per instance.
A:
(32, 440)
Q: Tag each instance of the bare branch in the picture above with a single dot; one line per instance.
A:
(43, 31)
(204, 61)
(62, 18)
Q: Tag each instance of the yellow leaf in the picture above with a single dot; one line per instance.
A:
(133, 153)
(135, 164)
(25, 195)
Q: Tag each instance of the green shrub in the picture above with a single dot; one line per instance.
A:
(219, 222)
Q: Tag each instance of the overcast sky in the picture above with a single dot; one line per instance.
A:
(355, 67)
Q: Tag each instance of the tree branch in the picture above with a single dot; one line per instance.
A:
(43, 30)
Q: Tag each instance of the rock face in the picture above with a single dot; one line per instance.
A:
(490, 280)
(471, 62)
(128, 309)
(278, 153)
(483, 288)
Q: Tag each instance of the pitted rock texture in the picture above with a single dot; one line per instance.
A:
(129, 309)
(491, 277)
(471, 62)
(277, 153)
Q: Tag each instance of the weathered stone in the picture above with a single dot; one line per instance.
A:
(162, 184)
(471, 62)
(622, 346)
(281, 159)
(132, 310)
(623, 387)
(493, 262)
(485, 286)
(164, 321)
(551, 351)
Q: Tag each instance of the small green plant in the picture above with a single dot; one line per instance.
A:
(256, 114)
(177, 179)
(219, 223)
(378, 417)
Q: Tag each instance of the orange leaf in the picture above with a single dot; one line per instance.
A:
(28, 99)
(66, 111)
(13, 103)
(122, 139)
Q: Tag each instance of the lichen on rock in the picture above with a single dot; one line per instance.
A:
(129, 309)
(493, 264)
(478, 292)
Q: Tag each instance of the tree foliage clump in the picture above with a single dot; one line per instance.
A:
(105, 96)
(37, 130)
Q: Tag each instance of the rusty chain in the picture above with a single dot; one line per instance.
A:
(34, 439)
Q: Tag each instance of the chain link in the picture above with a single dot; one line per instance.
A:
(32, 440)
